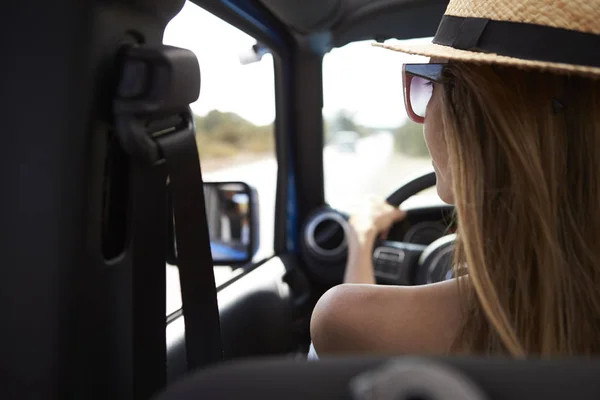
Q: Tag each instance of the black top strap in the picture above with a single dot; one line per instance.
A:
(520, 40)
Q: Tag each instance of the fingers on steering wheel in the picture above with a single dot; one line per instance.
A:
(397, 216)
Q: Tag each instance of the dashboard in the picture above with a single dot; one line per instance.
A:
(417, 251)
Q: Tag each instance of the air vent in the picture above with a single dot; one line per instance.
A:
(325, 235)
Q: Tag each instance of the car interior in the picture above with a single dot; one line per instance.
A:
(103, 189)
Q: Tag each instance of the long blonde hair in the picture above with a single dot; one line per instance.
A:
(524, 154)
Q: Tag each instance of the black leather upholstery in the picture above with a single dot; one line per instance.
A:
(329, 379)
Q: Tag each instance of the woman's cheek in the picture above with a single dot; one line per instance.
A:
(431, 142)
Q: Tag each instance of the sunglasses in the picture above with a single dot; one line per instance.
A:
(417, 81)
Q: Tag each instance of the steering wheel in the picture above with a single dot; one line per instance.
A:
(324, 246)
(404, 263)
(411, 188)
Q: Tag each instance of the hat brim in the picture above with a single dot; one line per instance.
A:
(449, 53)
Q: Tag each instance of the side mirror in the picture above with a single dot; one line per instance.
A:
(232, 215)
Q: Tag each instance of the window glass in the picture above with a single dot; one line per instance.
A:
(371, 147)
(234, 118)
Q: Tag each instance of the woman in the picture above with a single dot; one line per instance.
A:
(511, 113)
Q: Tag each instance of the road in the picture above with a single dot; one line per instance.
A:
(373, 168)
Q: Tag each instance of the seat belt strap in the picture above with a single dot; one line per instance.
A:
(198, 289)
(155, 127)
(148, 238)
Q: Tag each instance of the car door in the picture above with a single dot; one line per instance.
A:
(236, 136)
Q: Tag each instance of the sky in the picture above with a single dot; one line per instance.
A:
(357, 77)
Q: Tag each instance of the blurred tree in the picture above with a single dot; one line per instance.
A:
(223, 134)
(212, 120)
(344, 121)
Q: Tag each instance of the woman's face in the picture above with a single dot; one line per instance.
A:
(433, 131)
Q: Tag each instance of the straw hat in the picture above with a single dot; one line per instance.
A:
(556, 35)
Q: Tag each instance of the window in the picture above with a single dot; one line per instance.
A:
(371, 147)
(234, 118)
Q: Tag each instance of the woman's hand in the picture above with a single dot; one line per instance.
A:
(375, 219)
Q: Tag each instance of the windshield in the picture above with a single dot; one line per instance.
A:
(371, 147)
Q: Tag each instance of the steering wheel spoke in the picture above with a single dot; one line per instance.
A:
(395, 262)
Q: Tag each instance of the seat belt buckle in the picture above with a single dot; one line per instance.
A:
(152, 98)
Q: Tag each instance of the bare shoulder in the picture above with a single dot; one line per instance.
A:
(387, 319)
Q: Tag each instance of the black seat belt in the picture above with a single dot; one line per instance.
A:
(156, 127)
(196, 273)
